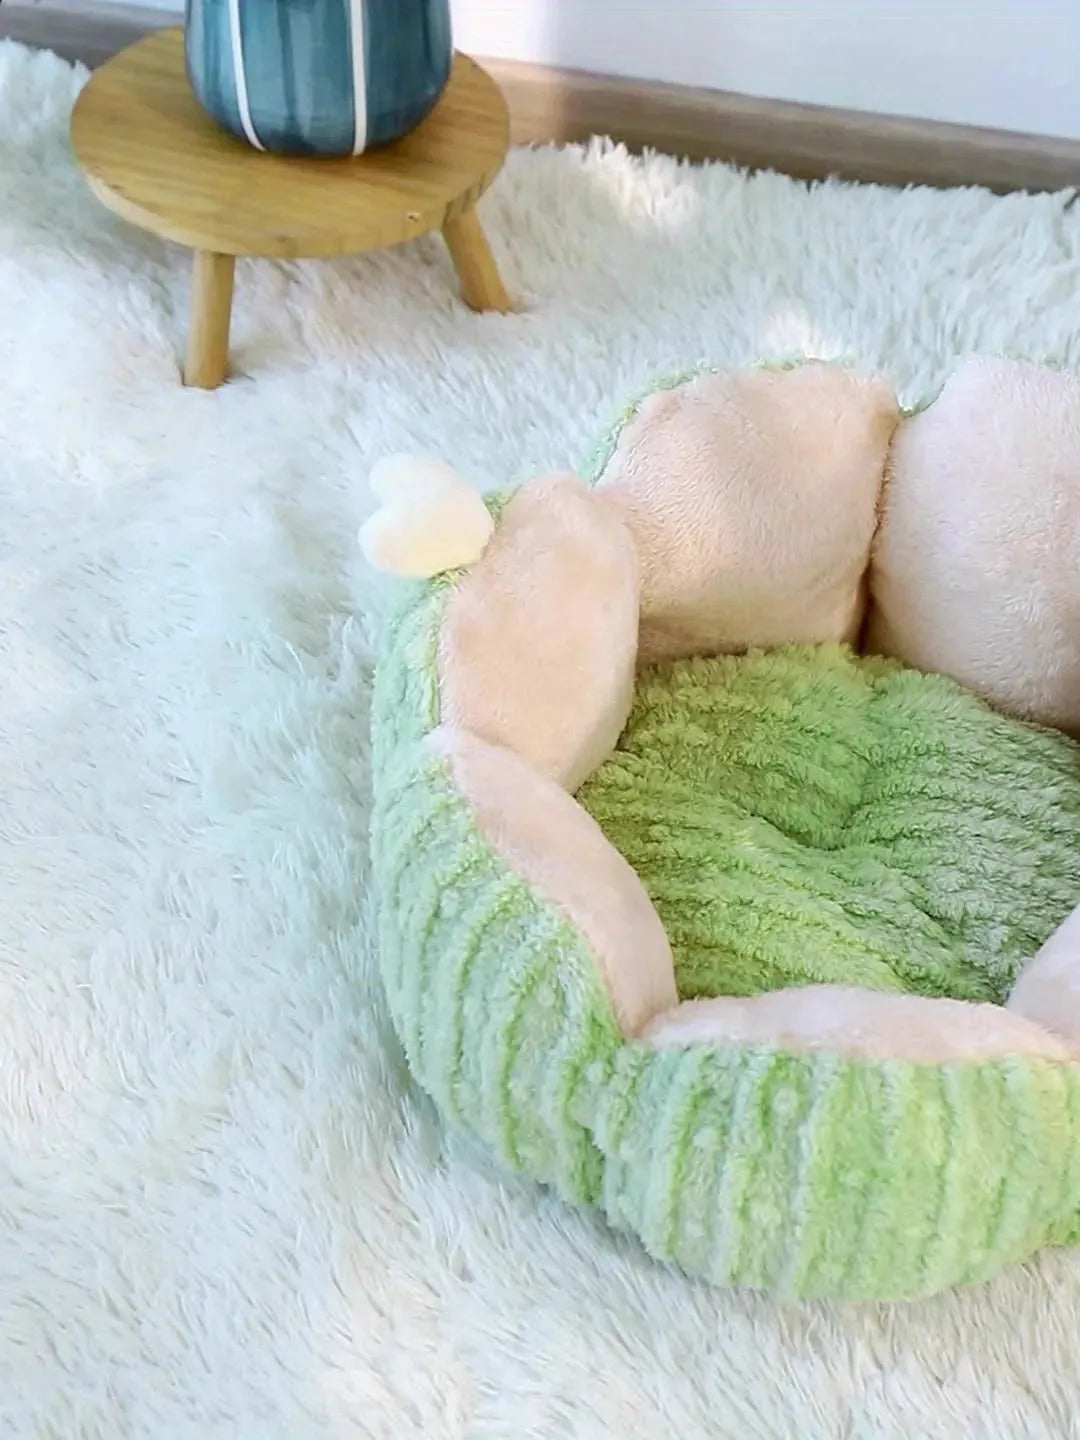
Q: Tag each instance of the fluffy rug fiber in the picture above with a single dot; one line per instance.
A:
(224, 1209)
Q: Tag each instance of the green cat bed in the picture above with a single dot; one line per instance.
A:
(754, 991)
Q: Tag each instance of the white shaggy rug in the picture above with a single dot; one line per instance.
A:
(224, 1210)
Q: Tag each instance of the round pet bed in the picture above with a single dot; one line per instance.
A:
(688, 908)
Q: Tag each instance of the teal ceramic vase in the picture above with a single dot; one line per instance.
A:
(318, 77)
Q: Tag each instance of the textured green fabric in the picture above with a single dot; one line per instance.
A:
(805, 816)
(496, 998)
(810, 1175)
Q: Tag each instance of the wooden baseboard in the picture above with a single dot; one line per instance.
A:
(808, 141)
(83, 30)
(548, 104)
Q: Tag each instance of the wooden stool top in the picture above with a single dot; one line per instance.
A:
(156, 158)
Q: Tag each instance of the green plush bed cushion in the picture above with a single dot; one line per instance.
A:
(794, 815)
(808, 815)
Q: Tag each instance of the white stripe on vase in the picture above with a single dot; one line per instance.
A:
(237, 48)
(359, 71)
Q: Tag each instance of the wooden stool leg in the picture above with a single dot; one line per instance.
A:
(481, 286)
(211, 309)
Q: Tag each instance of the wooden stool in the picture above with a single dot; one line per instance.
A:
(153, 156)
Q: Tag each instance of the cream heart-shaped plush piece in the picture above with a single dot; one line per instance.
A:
(431, 519)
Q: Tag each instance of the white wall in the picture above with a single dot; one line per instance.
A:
(1014, 65)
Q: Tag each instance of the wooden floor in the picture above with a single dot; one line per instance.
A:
(546, 103)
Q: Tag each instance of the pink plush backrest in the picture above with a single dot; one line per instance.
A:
(752, 498)
(740, 510)
(976, 568)
(539, 637)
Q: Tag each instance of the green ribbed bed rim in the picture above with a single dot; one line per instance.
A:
(805, 1174)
